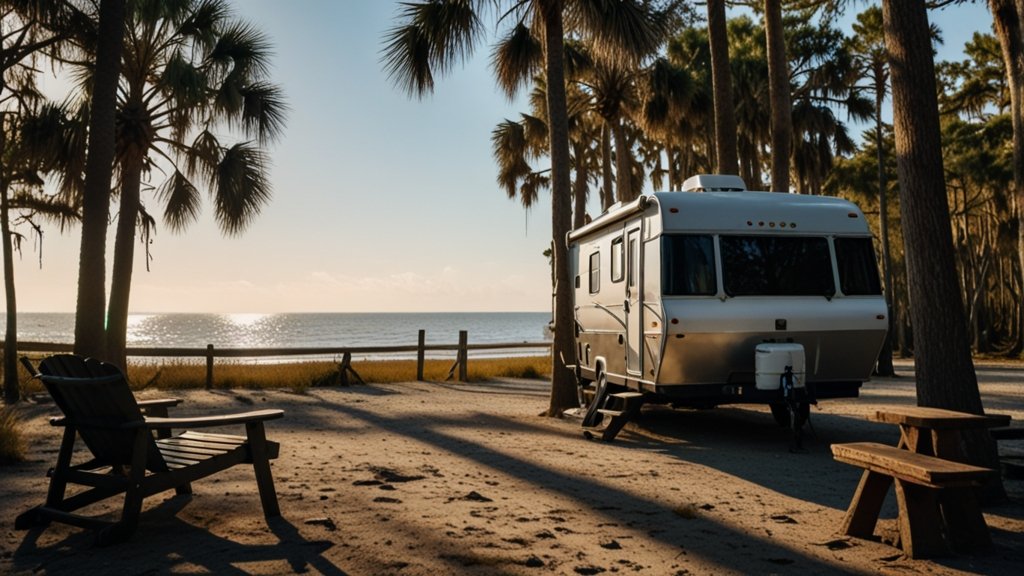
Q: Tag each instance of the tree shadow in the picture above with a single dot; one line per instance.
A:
(167, 543)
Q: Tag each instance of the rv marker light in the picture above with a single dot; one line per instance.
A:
(852, 215)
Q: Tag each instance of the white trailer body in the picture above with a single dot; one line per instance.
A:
(676, 290)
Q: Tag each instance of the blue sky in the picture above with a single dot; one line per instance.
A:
(381, 202)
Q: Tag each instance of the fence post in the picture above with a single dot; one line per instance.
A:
(420, 355)
(209, 366)
(463, 356)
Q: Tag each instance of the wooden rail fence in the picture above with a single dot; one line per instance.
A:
(421, 348)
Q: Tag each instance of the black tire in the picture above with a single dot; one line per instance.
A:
(780, 412)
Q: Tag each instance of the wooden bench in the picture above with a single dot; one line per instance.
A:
(937, 508)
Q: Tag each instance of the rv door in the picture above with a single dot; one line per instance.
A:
(634, 307)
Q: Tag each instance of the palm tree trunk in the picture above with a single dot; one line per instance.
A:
(623, 159)
(607, 193)
(944, 368)
(1008, 17)
(721, 80)
(579, 193)
(124, 260)
(563, 381)
(92, 265)
(885, 367)
(778, 89)
(12, 392)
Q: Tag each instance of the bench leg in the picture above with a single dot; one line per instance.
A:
(919, 520)
(866, 504)
(963, 520)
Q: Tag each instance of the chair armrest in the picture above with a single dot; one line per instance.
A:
(160, 403)
(209, 421)
(158, 407)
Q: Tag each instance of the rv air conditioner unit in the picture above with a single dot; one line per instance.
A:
(714, 183)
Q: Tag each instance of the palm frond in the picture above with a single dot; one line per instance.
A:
(182, 202)
(263, 111)
(622, 31)
(242, 188)
(203, 22)
(434, 35)
(516, 58)
(202, 157)
(242, 51)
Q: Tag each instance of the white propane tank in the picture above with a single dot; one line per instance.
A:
(770, 361)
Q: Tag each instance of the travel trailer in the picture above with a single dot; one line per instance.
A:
(716, 295)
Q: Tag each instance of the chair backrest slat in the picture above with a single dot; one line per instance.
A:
(96, 399)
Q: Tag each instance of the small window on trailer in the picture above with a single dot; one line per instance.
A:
(618, 260)
(595, 272)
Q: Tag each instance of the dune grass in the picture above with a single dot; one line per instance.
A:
(299, 376)
(12, 444)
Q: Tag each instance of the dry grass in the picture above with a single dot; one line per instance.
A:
(12, 444)
(299, 376)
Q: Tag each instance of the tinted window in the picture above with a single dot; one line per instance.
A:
(858, 272)
(776, 266)
(689, 266)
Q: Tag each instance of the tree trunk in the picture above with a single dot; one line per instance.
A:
(124, 261)
(944, 368)
(623, 160)
(12, 391)
(885, 367)
(778, 89)
(1008, 17)
(721, 80)
(90, 308)
(579, 193)
(563, 381)
(607, 192)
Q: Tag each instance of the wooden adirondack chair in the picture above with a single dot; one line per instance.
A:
(134, 454)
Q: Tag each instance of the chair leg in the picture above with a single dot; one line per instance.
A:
(261, 465)
(125, 527)
(57, 487)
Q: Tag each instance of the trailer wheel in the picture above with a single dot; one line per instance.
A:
(782, 413)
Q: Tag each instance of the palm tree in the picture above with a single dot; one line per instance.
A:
(721, 78)
(868, 46)
(434, 35)
(943, 364)
(187, 68)
(90, 308)
(779, 89)
(30, 136)
(1008, 16)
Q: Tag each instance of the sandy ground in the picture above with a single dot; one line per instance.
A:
(433, 479)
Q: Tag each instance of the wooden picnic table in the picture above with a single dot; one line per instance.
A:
(938, 508)
(936, 431)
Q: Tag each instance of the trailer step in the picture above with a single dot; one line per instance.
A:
(624, 407)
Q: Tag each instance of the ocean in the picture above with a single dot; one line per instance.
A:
(305, 330)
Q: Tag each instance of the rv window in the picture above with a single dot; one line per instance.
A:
(634, 256)
(858, 272)
(776, 266)
(595, 272)
(618, 259)
(688, 266)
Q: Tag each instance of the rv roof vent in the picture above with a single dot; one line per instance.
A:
(714, 183)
